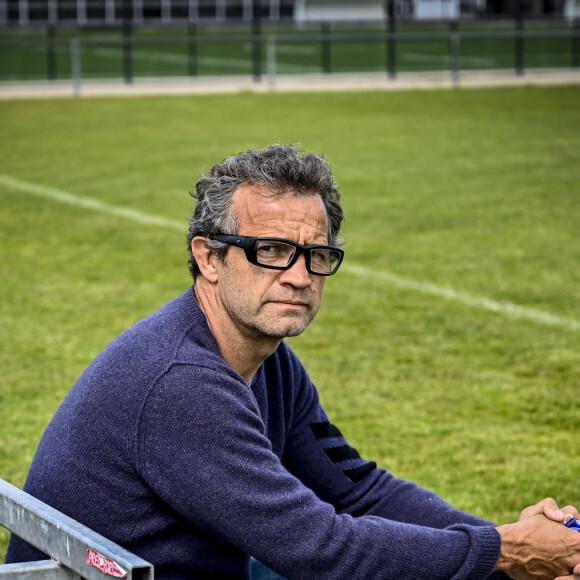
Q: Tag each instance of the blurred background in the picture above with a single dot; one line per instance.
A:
(128, 39)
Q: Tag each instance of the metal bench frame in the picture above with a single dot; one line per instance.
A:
(75, 550)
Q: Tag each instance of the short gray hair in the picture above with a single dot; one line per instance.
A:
(279, 168)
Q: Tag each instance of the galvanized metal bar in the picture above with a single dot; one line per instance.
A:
(42, 570)
(65, 540)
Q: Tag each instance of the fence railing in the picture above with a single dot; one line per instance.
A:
(76, 551)
(265, 55)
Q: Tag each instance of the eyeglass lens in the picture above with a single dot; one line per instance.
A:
(279, 255)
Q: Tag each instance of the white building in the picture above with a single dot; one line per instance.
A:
(332, 10)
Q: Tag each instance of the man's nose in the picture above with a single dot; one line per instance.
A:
(297, 275)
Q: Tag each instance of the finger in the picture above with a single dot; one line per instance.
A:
(570, 509)
(547, 507)
(550, 509)
(575, 574)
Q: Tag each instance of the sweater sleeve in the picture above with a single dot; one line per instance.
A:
(320, 456)
(201, 446)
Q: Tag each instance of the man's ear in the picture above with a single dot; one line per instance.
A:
(205, 259)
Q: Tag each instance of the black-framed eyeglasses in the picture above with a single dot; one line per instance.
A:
(280, 254)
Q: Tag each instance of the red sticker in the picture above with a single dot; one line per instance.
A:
(105, 565)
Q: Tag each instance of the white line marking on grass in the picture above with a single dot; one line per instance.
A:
(65, 197)
(173, 58)
(505, 308)
(427, 58)
(243, 64)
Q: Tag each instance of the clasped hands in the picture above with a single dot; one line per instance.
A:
(538, 546)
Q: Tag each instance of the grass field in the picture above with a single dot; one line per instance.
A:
(426, 47)
(447, 346)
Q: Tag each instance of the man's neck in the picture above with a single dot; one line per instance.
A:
(243, 353)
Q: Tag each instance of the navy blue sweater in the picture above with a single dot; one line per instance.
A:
(163, 448)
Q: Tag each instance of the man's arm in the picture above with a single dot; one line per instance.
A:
(202, 448)
(526, 553)
(318, 454)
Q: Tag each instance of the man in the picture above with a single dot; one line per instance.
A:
(197, 440)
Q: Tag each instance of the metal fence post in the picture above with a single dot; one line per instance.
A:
(256, 45)
(127, 43)
(575, 43)
(391, 41)
(192, 49)
(454, 47)
(519, 43)
(271, 55)
(75, 54)
(50, 53)
(325, 46)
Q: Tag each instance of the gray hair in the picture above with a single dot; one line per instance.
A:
(278, 168)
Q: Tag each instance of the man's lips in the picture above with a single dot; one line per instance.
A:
(290, 302)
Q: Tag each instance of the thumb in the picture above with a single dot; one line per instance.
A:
(547, 507)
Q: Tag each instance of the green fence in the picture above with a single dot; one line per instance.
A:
(127, 53)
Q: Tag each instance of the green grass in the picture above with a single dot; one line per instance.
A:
(168, 52)
(475, 190)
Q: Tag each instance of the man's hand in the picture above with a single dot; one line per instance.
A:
(575, 575)
(536, 547)
(550, 509)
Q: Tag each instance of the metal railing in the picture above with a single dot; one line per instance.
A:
(75, 550)
(263, 49)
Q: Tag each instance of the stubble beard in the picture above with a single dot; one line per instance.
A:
(289, 329)
(265, 325)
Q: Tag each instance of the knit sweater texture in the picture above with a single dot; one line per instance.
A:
(162, 447)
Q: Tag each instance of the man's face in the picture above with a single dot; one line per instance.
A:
(272, 303)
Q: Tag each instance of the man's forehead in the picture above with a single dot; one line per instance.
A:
(254, 196)
(258, 205)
